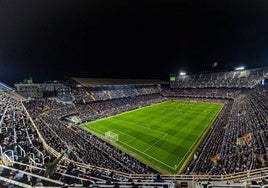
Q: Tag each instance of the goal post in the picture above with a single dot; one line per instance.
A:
(111, 136)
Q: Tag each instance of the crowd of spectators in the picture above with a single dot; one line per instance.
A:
(239, 118)
(239, 133)
(26, 158)
(209, 93)
(20, 144)
(87, 148)
(231, 79)
(104, 93)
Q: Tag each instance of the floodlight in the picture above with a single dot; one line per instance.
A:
(240, 68)
(182, 73)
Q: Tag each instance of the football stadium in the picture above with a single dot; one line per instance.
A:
(196, 131)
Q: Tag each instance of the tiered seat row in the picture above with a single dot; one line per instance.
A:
(233, 79)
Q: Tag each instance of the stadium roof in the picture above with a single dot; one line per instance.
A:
(4, 87)
(94, 82)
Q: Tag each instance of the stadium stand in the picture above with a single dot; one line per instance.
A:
(41, 147)
(5, 88)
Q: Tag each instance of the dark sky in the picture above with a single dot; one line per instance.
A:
(48, 40)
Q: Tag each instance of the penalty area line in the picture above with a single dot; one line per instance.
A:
(148, 155)
(155, 142)
(122, 133)
(186, 154)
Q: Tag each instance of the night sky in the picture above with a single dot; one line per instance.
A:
(48, 40)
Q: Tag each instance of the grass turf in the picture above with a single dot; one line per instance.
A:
(163, 136)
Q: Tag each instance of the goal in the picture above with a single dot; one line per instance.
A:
(111, 136)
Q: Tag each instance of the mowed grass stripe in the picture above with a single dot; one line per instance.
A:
(160, 135)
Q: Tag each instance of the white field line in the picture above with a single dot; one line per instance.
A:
(195, 142)
(132, 137)
(131, 140)
(96, 130)
(141, 151)
(147, 155)
(141, 124)
(115, 130)
(126, 112)
(176, 166)
(148, 127)
(155, 142)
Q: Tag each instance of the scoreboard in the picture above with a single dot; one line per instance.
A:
(172, 80)
(172, 77)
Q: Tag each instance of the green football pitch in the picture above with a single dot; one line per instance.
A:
(163, 136)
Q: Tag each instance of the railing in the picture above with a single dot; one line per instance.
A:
(34, 175)
(241, 176)
(249, 175)
(8, 156)
(6, 160)
(32, 162)
(61, 172)
(21, 151)
(14, 182)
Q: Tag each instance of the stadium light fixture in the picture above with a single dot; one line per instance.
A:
(182, 73)
(239, 68)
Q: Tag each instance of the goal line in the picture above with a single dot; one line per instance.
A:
(111, 136)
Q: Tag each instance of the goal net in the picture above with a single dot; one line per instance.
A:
(111, 136)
